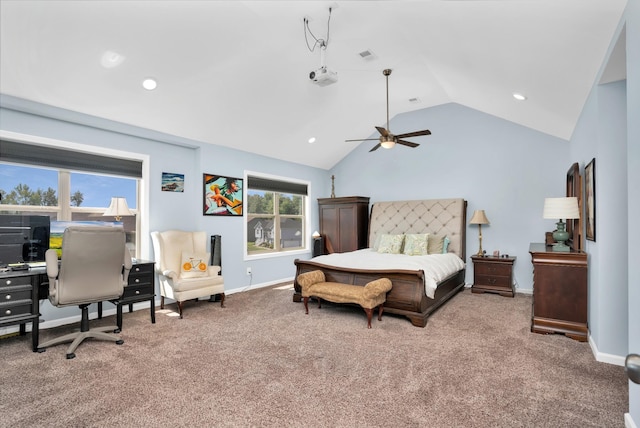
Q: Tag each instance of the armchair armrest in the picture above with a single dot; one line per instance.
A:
(170, 274)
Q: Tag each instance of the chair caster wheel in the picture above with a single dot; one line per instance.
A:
(119, 342)
(41, 350)
(117, 330)
(70, 356)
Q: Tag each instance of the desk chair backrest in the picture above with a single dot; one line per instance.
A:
(95, 266)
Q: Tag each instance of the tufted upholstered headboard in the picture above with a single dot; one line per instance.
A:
(436, 216)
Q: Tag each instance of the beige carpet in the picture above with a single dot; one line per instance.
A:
(262, 362)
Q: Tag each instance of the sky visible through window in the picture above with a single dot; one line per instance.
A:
(97, 190)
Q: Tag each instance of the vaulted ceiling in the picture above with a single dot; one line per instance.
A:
(236, 73)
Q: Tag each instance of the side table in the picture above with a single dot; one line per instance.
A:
(493, 275)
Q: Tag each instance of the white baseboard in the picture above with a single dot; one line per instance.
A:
(602, 357)
(628, 421)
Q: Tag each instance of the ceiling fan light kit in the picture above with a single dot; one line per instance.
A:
(387, 140)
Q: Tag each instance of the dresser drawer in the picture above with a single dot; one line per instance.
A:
(492, 269)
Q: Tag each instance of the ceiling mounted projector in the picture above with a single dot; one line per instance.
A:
(323, 76)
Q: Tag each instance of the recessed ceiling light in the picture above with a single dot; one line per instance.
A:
(149, 84)
(312, 140)
(518, 96)
(111, 59)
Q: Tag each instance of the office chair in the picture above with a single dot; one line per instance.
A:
(95, 267)
(182, 265)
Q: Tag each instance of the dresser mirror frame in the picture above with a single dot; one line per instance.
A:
(574, 227)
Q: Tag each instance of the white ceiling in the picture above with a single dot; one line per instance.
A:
(235, 73)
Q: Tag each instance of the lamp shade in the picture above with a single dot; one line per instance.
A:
(561, 208)
(479, 217)
(118, 208)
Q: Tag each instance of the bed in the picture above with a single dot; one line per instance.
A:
(411, 284)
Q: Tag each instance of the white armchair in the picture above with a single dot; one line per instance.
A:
(182, 265)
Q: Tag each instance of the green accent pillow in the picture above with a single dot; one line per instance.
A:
(416, 244)
(391, 244)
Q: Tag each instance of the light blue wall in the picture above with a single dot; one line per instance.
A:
(632, 17)
(498, 166)
(601, 133)
(169, 210)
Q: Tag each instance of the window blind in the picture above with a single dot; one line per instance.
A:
(271, 185)
(31, 154)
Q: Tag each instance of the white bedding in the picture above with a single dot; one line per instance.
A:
(436, 267)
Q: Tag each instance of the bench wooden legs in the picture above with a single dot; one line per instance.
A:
(368, 311)
(370, 314)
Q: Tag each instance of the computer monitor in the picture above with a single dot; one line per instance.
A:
(23, 238)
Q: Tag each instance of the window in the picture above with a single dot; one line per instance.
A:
(276, 219)
(28, 186)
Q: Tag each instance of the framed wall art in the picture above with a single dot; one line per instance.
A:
(590, 196)
(222, 195)
(172, 182)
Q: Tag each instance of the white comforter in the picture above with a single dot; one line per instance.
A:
(436, 267)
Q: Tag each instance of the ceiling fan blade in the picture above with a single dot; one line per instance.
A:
(364, 139)
(382, 131)
(376, 147)
(414, 134)
(407, 143)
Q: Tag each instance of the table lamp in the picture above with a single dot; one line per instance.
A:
(561, 208)
(118, 208)
(479, 218)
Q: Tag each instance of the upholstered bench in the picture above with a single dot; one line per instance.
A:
(372, 295)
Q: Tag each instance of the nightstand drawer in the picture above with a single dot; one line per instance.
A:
(492, 269)
(501, 281)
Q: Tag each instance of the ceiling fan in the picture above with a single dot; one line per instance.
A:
(387, 139)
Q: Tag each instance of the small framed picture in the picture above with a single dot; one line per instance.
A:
(222, 196)
(496, 253)
(172, 182)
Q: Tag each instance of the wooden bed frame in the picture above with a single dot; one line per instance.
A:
(407, 297)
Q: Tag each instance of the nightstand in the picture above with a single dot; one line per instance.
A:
(493, 275)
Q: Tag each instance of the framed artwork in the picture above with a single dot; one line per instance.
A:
(222, 195)
(172, 182)
(590, 196)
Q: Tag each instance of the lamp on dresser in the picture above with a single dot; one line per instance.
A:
(561, 208)
(479, 218)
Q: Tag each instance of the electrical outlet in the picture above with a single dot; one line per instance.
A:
(248, 271)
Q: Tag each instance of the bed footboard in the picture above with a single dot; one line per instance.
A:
(406, 298)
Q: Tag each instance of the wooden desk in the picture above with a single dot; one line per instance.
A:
(19, 300)
(21, 291)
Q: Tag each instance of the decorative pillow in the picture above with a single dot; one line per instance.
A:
(445, 245)
(391, 244)
(193, 265)
(436, 244)
(416, 244)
